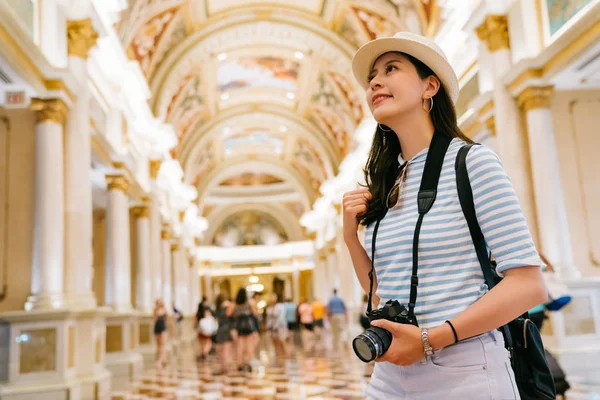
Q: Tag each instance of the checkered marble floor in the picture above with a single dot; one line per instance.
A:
(303, 375)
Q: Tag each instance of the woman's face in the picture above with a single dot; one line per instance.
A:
(395, 87)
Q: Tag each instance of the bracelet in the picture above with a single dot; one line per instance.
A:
(453, 331)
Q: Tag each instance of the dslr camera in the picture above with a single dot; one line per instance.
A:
(375, 341)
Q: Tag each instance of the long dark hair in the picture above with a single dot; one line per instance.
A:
(382, 164)
(242, 297)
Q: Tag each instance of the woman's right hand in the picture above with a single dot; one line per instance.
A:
(355, 205)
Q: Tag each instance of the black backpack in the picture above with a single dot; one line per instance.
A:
(521, 336)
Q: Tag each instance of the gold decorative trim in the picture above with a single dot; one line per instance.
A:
(471, 130)
(181, 216)
(490, 125)
(114, 338)
(81, 37)
(534, 73)
(58, 85)
(494, 32)
(165, 234)
(489, 106)
(322, 257)
(147, 199)
(154, 168)
(338, 208)
(197, 241)
(140, 211)
(174, 247)
(535, 97)
(312, 235)
(117, 182)
(574, 48)
(331, 250)
(467, 71)
(49, 110)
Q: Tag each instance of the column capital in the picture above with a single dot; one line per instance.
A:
(49, 110)
(181, 216)
(140, 211)
(81, 37)
(146, 200)
(338, 208)
(494, 32)
(197, 241)
(154, 168)
(535, 97)
(165, 234)
(117, 182)
(331, 250)
(490, 125)
(174, 247)
(322, 257)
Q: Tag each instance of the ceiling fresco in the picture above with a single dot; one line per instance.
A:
(265, 83)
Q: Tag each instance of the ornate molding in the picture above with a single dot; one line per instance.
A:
(154, 168)
(174, 247)
(49, 110)
(117, 182)
(81, 37)
(494, 32)
(181, 216)
(535, 97)
(141, 211)
(197, 241)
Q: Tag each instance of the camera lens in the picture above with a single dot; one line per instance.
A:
(371, 344)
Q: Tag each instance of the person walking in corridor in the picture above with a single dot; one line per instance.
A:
(338, 319)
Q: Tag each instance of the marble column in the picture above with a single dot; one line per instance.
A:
(118, 257)
(48, 221)
(321, 287)
(78, 181)
(156, 265)
(176, 274)
(143, 301)
(332, 269)
(167, 291)
(296, 283)
(512, 144)
(206, 272)
(554, 238)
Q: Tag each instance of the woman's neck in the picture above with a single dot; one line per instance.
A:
(414, 133)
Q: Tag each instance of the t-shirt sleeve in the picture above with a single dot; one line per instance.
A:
(499, 213)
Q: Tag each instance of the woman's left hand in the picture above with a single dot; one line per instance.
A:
(407, 345)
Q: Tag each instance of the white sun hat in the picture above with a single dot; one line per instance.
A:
(420, 47)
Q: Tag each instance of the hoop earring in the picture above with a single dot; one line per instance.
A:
(385, 130)
(430, 104)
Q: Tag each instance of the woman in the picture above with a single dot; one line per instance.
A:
(411, 90)
(204, 340)
(305, 314)
(277, 326)
(243, 314)
(223, 338)
(160, 332)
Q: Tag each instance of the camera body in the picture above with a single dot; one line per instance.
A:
(374, 342)
(395, 312)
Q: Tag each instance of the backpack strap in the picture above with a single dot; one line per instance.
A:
(465, 196)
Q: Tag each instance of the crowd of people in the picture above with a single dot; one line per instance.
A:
(232, 328)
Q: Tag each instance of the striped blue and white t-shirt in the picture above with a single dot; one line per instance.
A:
(450, 277)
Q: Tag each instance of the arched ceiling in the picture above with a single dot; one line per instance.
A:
(260, 92)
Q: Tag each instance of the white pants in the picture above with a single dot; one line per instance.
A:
(475, 369)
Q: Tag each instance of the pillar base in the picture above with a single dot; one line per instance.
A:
(45, 302)
(123, 358)
(81, 302)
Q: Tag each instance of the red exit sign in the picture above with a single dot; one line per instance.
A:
(16, 98)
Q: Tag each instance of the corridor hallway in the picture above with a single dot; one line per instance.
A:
(319, 374)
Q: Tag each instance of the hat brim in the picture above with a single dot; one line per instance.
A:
(366, 56)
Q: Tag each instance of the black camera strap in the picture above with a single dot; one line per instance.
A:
(425, 199)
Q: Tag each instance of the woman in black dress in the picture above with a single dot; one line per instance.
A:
(243, 314)
(223, 338)
(160, 332)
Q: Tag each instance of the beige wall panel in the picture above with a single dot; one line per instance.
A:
(99, 247)
(17, 166)
(576, 118)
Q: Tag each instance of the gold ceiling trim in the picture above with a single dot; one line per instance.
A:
(177, 54)
(272, 6)
(196, 137)
(302, 182)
